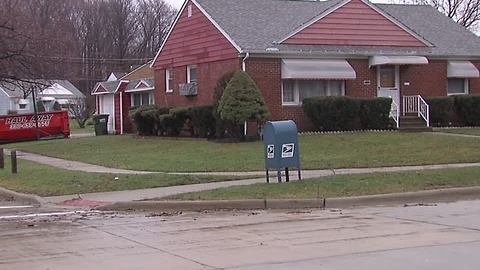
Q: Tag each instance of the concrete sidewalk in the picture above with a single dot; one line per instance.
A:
(144, 194)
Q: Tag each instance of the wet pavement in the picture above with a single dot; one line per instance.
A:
(416, 236)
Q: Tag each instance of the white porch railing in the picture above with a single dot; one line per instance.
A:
(416, 104)
(394, 112)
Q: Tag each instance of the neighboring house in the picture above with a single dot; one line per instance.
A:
(115, 76)
(64, 92)
(116, 97)
(13, 100)
(299, 49)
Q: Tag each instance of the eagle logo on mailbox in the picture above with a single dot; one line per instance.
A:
(287, 150)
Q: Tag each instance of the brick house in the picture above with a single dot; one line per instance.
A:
(298, 49)
(116, 95)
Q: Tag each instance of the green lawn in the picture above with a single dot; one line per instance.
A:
(466, 131)
(75, 129)
(44, 180)
(349, 150)
(344, 185)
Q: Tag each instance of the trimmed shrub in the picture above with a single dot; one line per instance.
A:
(331, 113)
(374, 113)
(146, 118)
(183, 115)
(241, 101)
(222, 83)
(169, 125)
(467, 108)
(203, 121)
(440, 108)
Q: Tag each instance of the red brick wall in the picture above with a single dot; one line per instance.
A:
(116, 101)
(207, 77)
(357, 88)
(427, 80)
(126, 103)
(267, 75)
(475, 82)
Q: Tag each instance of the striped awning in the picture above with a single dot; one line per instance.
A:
(462, 69)
(379, 60)
(320, 69)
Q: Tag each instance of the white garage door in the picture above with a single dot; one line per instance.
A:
(106, 107)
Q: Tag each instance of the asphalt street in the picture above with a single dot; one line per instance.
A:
(416, 236)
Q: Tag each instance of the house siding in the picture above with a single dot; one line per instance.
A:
(4, 103)
(267, 73)
(126, 104)
(355, 23)
(207, 77)
(117, 126)
(475, 82)
(194, 40)
(360, 87)
(426, 80)
(141, 73)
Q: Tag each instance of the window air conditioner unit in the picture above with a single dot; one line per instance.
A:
(188, 89)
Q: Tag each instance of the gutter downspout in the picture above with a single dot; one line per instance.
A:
(244, 68)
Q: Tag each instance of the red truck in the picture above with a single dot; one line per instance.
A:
(23, 127)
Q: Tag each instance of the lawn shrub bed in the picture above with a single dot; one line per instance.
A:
(340, 113)
(440, 109)
(467, 108)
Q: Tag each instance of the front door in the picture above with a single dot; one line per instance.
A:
(106, 107)
(388, 83)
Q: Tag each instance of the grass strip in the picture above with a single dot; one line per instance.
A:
(465, 131)
(345, 185)
(325, 151)
(46, 181)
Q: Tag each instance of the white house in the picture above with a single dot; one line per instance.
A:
(17, 99)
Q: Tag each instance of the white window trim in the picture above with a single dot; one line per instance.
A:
(188, 73)
(151, 98)
(465, 87)
(168, 87)
(296, 94)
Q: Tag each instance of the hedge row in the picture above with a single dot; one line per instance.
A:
(340, 113)
(445, 110)
(164, 121)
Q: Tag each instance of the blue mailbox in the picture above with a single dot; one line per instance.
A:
(280, 140)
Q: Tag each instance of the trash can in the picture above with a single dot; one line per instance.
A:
(100, 121)
(280, 140)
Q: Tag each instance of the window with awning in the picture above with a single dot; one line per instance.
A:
(379, 60)
(317, 69)
(462, 69)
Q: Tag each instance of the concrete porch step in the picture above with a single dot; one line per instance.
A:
(411, 123)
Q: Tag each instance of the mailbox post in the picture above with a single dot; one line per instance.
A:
(280, 140)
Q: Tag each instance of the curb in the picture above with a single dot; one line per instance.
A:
(23, 198)
(429, 196)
